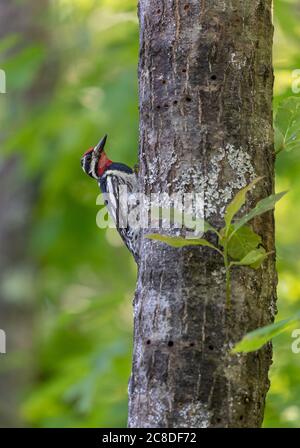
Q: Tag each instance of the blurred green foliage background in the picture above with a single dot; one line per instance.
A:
(78, 281)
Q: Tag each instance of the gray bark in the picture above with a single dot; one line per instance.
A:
(205, 86)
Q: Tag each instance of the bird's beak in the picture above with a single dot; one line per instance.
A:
(100, 147)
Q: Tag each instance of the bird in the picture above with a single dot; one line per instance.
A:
(112, 178)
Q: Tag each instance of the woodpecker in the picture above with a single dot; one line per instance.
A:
(111, 176)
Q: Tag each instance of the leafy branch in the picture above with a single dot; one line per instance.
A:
(287, 125)
(256, 339)
(238, 244)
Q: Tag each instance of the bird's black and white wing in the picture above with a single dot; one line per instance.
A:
(121, 199)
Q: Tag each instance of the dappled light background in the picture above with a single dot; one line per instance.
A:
(69, 82)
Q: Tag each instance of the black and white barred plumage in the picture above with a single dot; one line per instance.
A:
(118, 183)
(121, 202)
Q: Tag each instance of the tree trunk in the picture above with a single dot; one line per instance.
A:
(205, 85)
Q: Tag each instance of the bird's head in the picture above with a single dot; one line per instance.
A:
(94, 161)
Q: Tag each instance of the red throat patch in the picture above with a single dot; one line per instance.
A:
(103, 164)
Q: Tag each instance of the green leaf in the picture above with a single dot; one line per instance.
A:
(287, 123)
(253, 259)
(261, 207)
(256, 264)
(243, 241)
(237, 202)
(178, 241)
(256, 339)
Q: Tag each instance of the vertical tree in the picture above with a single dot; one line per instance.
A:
(205, 83)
